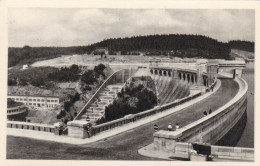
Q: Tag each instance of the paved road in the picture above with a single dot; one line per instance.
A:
(119, 147)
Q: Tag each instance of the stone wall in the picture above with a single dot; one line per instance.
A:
(232, 153)
(185, 151)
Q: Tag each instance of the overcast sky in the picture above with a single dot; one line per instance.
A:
(74, 27)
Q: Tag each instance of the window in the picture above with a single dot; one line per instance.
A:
(56, 101)
(30, 103)
(17, 99)
(24, 99)
(34, 99)
(30, 99)
(42, 100)
(48, 100)
(34, 103)
(38, 100)
(21, 99)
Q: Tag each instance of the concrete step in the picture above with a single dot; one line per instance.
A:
(107, 100)
(102, 103)
(95, 110)
(106, 97)
(93, 115)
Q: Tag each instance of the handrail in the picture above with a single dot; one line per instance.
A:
(175, 68)
(96, 93)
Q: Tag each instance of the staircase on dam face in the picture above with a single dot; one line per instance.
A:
(97, 109)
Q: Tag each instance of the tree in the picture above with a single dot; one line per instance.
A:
(99, 70)
(88, 77)
(132, 100)
(74, 68)
(11, 82)
(38, 82)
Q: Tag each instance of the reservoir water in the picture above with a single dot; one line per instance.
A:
(247, 138)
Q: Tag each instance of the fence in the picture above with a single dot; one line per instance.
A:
(30, 126)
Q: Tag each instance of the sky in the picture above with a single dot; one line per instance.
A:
(78, 27)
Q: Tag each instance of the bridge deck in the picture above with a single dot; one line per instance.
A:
(123, 146)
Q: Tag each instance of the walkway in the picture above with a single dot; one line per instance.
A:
(123, 146)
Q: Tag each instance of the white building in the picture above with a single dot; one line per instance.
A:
(25, 67)
(38, 101)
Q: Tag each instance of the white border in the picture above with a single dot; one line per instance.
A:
(4, 4)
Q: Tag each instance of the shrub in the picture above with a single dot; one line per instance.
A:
(88, 77)
(132, 100)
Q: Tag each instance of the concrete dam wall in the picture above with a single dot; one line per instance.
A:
(209, 129)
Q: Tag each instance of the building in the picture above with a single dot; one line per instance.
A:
(15, 107)
(16, 110)
(25, 67)
(38, 101)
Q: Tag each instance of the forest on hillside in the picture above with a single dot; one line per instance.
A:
(242, 45)
(173, 45)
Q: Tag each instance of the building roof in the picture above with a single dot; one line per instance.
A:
(35, 96)
(11, 103)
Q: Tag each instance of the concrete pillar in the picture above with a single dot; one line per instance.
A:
(238, 72)
(165, 141)
(175, 74)
(123, 76)
(57, 128)
(199, 75)
(79, 129)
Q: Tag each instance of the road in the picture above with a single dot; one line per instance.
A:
(123, 146)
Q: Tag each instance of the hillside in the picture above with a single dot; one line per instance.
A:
(173, 45)
(242, 45)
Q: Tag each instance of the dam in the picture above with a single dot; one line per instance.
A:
(141, 135)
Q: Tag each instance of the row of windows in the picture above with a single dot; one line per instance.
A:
(42, 105)
(38, 100)
(11, 111)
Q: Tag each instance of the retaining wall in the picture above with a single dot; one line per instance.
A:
(232, 153)
(185, 150)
